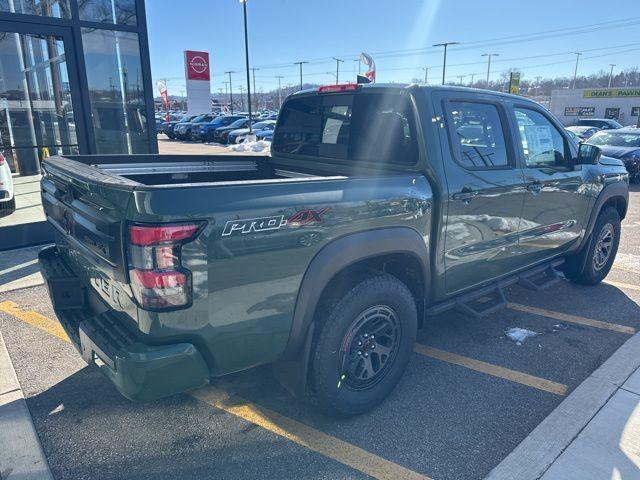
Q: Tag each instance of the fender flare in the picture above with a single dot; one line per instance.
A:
(614, 190)
(341, 253)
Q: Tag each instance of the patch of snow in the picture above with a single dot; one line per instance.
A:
(259, 146)
(519, 335)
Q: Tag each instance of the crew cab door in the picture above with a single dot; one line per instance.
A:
(485, 189)
(555, 202)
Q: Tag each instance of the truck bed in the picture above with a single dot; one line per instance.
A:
(158, 170)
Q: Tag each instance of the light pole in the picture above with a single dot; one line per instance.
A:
(575, 72)
(338, 62)
(230, 90)
(611, 73)
(255, 92)
(279, 77)
(461, 77)
(300, 63)
(426, 74)
(473, 75)
(489, 55)
(246, 57)
(444, 63)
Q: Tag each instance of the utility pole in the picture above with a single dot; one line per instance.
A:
(538, 84)
(472, 77)
(489, 55)
(575, 72)
(230, 90)
(338, 62)
(255, 92)
(426, 74)
(461, 77)
(246, 58)
(300, 63)
(444, 63)
(279, 77)
(611, 73)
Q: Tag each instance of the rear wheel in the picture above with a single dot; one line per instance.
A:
(594, 263)
(364, 346)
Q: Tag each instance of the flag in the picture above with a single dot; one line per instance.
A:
(371, 65)
(161, 85)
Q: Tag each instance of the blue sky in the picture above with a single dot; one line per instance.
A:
(398, 34)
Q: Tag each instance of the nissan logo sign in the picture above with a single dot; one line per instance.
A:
(198, 64)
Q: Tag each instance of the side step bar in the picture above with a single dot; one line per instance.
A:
(488, 299)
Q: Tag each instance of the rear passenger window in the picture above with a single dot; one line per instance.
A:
(368, 127)
(543, 145)
(478, 135)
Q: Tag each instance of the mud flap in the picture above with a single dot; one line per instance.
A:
(292, 374)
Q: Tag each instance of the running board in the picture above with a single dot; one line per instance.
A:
(541, 277)
(490, 298)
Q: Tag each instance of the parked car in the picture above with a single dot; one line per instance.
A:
(582, 132)
(7, 199)
(183, 130)
(205, 131)
(265, 135)
(238, 136)
(325, 256)
(221, 134)
(168, 128)
(601, 123)
(622, 143)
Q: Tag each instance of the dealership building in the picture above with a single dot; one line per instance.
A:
(74, 78)
(621, 104)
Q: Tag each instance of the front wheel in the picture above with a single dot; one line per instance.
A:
(594, 263)
(363, 347)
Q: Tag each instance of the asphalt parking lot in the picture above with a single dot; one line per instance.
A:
(468, 398)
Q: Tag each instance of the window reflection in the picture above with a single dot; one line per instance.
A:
(45, 8)
(36, 111)
(121, 12)
(116, 90)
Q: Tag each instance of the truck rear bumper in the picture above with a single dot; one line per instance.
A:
(138, 370)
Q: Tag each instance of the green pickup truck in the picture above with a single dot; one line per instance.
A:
(379, 207)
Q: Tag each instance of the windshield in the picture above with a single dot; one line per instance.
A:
(615, 139)
(263, 125)
(239, 123)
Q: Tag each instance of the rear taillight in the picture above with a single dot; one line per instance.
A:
(158, 278)
(2, 159)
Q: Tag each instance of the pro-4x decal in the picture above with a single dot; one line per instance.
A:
(276, 222)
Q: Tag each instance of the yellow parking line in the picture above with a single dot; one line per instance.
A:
(320, 442)
(297, 432)
(622, 285)
(494, 370)
(566, 317)
(35, 319)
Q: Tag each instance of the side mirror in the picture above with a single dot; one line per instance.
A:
(588, 154)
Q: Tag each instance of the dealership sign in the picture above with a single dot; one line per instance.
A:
(579, 111)
(611, 92)
(197, 65)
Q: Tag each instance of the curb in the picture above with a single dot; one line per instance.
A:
(540, 449)
(21, 455)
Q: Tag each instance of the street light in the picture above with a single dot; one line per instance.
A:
(300, 63)
(611, 73)
(575, 72)
(246, 55)
(426, 73)
(444, 63)
(279, 77)
(489, 55)
(230, 90)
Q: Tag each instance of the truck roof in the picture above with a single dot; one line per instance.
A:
(405, 86)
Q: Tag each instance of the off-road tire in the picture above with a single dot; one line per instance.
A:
(584, 268)
(329, 390)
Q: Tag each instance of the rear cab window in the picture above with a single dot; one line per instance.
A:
(363, 127)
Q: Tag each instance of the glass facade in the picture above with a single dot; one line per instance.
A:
(114, 76)
(57, 99)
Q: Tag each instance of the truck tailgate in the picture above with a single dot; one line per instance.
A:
(87, 207)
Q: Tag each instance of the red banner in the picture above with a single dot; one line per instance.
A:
(197, 65)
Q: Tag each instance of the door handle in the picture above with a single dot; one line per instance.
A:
(466, 194)
(534, 186)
